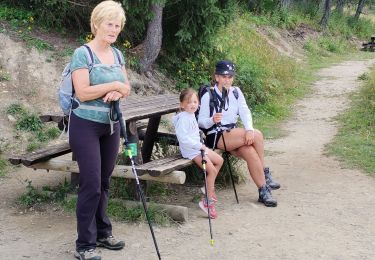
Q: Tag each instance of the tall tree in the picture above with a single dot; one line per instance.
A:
(360, 6)
(340, 6)
(326, 13)
(152, 43)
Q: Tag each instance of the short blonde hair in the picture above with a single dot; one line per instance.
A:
(106, 10)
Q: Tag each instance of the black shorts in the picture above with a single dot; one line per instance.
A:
(210, 139)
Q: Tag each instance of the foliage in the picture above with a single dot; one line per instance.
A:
(346, 27)
(3, 167)
(34, 196)
(190, 25)
(157, 190)
(16, 109)
(355, 140)
(31, 123)
(4, 75)
(261, 72)
(116, 209)
(119, 188)
(16, 16)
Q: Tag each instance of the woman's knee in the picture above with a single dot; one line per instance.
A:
(258, 135)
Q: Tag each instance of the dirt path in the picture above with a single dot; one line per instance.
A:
(324, 212)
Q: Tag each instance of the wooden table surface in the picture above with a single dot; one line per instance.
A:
(141, 107)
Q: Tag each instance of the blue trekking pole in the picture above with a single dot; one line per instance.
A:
(218, 128)
(128, 152)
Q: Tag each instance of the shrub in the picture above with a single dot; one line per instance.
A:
(29, 122)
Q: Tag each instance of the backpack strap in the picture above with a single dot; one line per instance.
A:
(90, 56)
(235, 92)
(119, 56)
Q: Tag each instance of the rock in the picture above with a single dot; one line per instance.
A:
(11, 118)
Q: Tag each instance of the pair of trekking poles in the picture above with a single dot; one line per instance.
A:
(217, 130)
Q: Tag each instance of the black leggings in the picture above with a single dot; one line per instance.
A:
(96, 152)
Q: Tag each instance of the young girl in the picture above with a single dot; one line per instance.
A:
(187, 132)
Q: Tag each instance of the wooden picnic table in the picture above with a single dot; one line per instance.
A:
(134, 108)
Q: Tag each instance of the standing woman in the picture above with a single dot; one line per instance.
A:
(93, 137)
(247, 142)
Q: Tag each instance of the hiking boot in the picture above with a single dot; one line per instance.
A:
(269, 181)
(110, 243)
(89, 254)
(265, 196)
(203, 190)
(203, 205)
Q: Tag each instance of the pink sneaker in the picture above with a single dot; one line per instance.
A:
(202, 204)
(203, 190)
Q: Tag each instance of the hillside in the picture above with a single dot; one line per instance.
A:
(31, 78)
(33, 75)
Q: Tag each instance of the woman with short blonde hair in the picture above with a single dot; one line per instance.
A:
(99, 78)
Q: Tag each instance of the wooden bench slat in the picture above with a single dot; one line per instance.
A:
(164, 165)
(123, 171)
(42, 154)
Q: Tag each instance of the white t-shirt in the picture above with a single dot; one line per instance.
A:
(187, 132)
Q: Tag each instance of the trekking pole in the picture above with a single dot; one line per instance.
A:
(129, 153)
(205, 187)
(222, 104)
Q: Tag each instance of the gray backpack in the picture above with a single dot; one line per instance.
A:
(66, 88)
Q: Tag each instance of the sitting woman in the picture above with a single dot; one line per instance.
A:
(220, 122)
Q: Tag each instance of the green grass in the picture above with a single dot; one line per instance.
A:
(355, 140)
(4, 75)
(3, 167)
(271, 82)
(117, 210)
(38, 133)
(34, 196)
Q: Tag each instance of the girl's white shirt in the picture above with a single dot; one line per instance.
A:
(187, 132)
(237, 107)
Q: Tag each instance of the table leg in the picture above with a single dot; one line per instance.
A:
(149, 139)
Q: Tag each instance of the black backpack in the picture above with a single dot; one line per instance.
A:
(213, 102)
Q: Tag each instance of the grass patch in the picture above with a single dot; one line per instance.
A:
(4, 75)
(34, 196)
(355, 140)
(30, 123)
(3, 167)
(117, 210)
(31, 41)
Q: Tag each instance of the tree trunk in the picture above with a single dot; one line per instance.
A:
(152, 43)
(340, 7)
(284, 4)
(361, 3)
(326, 12)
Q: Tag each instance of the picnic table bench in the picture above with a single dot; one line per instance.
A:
(369, 45)
(134, 109)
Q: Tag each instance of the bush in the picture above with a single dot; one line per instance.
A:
(29, 122)
(3, 167)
